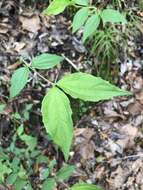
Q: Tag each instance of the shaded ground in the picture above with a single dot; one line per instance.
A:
(109, 135)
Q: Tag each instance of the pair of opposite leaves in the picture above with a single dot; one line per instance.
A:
(56, 110)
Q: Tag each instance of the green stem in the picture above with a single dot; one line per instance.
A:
(70, 62)
(37, 73)
(80, 6)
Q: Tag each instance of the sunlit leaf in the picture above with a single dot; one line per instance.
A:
(80, 18)
(81, 2)
(46, 61)
(57, 119)
(91, 26)
(56, 7)
(113, 16)
(89, 88)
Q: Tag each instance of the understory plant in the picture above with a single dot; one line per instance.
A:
(21, 162)
(89, 17)
(55, 106)
(56, 109)
(103, 25)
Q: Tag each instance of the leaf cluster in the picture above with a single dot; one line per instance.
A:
(56, 109)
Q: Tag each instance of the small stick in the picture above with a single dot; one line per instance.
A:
(42, 77)
(70, 62)
(127, 157)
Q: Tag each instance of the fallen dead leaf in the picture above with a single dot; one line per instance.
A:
(87, 133)
(139, 97)
(135, 108)
(13, 66)
(129, 132)
(19, 46)
(86, 150)
(3, 29)
(117, 178)
(32, 24)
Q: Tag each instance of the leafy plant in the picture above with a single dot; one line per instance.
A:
(88, 17)
(97, 21)
(106, 44)
(16, 165)
(56, 110)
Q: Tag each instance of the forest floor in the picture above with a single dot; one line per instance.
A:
(108, 136)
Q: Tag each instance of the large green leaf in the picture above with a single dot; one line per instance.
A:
(80, 18)
(56, 7)
(65, 172)
(85, 187)
(91, 26)
(87, 87)
(18, 81)
(57, 119)
(81, 2)
(113, 16)
(46, 61)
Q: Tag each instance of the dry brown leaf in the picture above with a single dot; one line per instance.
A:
(129, 132)
(117, 178)
(13, 66)
(86, 150)
(135, 108)
(87, 133)
(139, 97)
(19, 46)
(3, 29)
(32, 24)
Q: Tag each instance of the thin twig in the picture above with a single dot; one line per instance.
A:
(70, 62)
(42, 77)
(127, 157)
(132, 156)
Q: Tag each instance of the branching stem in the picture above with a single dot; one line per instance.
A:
(37, 73)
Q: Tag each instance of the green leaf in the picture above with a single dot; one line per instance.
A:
(56, 113)
(18, 81)
(42, 159)
(30, 141)
(80, 18)
(56, 7)
(52, 165)
(113, 16)
(65, 172)
(81, 2)
(48, 184)
(45, 173)
(28, 186)
(4, 169)
(91, 26)
(46, 61)
(89, 88)
(19, 184)
(85, 187)
(11, 178)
